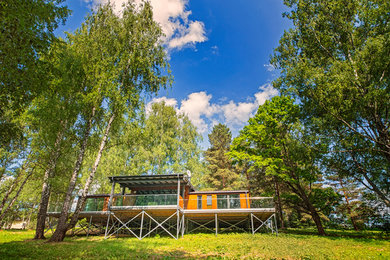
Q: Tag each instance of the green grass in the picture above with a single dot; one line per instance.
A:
(340, 245)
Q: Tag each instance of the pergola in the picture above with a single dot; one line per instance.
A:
(120, 217)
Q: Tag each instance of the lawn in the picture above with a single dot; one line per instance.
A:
(292, 245)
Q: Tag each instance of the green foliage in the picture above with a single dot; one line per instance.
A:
(27, 31)
(296, 244)
(164, 142)
(334, 60)
(222, 175)
(276, 141)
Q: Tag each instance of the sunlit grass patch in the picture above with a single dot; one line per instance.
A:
(18, 244)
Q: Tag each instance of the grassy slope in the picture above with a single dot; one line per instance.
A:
(17, 244)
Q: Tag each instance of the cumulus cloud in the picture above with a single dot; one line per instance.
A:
(197, 106)
(173, 17)
(204, 114)
(168, 101)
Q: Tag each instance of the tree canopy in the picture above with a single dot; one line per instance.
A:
(334, 60)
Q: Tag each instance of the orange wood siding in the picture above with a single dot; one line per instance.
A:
(214, 201)
(192, 202)
(244, 201)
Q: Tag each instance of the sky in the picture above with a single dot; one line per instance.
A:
(219, 53)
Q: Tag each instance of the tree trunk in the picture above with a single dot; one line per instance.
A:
(279, 204)
(377, 190)
(9, 191)
(348, 206)
(313, 212)
(46, 189)
(81, 201)
(62, 221)
(62, 227)
(16, 195)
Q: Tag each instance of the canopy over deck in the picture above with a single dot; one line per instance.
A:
(153, 184)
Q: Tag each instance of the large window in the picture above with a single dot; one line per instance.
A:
(231, 201)
(234, 201)
(222, 202)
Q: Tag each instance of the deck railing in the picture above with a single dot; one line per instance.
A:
(151, 200)
(144, 200)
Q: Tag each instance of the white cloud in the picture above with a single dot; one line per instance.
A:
(204, 114)
(267, 92)
(172, 16)
(196, 106)
(168, 101)
(239, 113)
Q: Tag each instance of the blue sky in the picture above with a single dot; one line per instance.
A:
(219, 55)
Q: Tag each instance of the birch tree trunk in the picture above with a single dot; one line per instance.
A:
(63, 226)
(9, 191)
(16, 196)
(46, 189)
(72, 183)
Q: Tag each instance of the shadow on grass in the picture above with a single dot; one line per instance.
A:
(96, 247)
(335, 234)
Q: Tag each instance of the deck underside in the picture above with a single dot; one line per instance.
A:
(164, 212)
(143, 221)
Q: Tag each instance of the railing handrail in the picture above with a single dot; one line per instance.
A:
(135, 195)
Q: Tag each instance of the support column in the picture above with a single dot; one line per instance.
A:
(276, 225)
(108, 222)
(216, 224)
(89, 225)
(253, 228)
(142, 224)
(182, 225)
(178, 224)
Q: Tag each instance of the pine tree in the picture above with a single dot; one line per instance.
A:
(222, 175)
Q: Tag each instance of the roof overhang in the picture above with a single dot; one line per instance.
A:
(152, 182)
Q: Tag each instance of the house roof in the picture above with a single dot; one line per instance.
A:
(150, 183)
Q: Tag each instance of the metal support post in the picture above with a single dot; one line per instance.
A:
(89, 225)
(142, 224)
(276, 225)
(108, 222)
(216, 224)
(253, 228)
(182, 226)
(150, 225)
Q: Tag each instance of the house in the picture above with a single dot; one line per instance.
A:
(148, 204)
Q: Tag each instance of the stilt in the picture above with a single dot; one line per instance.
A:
(89, 225)
(276, 225)
(253, 228)
(142, 223)
(108, 222)
(216, 224)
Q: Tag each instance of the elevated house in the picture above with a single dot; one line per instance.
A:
(149, 204)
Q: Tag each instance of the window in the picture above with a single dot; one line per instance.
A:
(234, 201)
(209, 200)
(199, 201)
(231, 201)
(222, 201)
